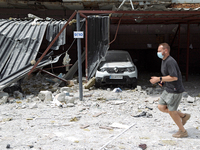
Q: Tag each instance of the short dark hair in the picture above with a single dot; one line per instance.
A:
(165, 46)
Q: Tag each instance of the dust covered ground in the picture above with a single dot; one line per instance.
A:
(103, 120)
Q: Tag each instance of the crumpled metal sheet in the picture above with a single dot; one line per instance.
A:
(52, 30)
(19, 44)
(19, 74)
(98, 41)
(20, 41)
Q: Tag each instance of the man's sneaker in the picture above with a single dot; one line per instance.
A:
(180, 134)
(185, 118)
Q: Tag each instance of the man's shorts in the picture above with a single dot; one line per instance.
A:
(172, 100)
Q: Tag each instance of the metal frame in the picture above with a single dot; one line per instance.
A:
(148, 17)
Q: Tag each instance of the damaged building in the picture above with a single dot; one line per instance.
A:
(27, 28)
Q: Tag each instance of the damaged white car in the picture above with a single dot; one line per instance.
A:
(116, 68)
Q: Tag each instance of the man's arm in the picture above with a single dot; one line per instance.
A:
(168, 78)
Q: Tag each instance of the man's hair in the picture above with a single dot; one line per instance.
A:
(165, 46)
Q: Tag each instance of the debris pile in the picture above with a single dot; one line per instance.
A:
(44, 116)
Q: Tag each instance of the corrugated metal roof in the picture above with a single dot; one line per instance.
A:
(20, 42)
(52, 30)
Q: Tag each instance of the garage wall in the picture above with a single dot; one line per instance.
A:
(142, 42)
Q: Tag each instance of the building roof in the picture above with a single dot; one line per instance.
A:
(94, 4)
(137, 12)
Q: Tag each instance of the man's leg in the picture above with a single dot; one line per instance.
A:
(177, 119)
(183, 116)
(163, 108)
(181, 132)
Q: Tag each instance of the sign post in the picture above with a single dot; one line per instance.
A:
(79, 34)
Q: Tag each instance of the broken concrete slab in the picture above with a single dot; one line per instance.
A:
(45, 95)
(190, 99)
(3, 97)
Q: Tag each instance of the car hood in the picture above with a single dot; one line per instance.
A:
(118, 65)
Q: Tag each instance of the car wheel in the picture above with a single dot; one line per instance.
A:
(134, 85)
(97, 84)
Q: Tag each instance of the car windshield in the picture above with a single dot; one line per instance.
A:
(118, 57)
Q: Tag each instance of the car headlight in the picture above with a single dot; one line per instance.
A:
(131, 69)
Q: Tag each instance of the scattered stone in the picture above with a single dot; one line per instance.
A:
(117, 117)
(70, 83)
(185, 94)
(3, 94)
(118, 102)
(34, 105)
(61, 97)
(56, 102)
(17, 95)
(3, 97)
(8, 146)
(197, 98)
(141, 106)
(23, 106)
(70, 105)
(45, 95)
(143, 146)
(34, 99)
(190, 99)
(65, 89)
(87, 95)
(151, 100)
(4, 100)
(149, 91)
(69, 99)
(108, 89)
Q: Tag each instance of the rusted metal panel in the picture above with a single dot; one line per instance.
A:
(116, 1)
(185, 5)
(185, 1)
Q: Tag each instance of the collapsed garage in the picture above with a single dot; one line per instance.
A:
(136, 27)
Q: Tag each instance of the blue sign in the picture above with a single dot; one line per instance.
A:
(78, 34)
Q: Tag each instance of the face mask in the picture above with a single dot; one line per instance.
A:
(159, 54)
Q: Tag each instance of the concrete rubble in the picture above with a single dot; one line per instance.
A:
(46, 117)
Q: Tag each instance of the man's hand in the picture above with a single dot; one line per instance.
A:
(161, 83)
(154, 79)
